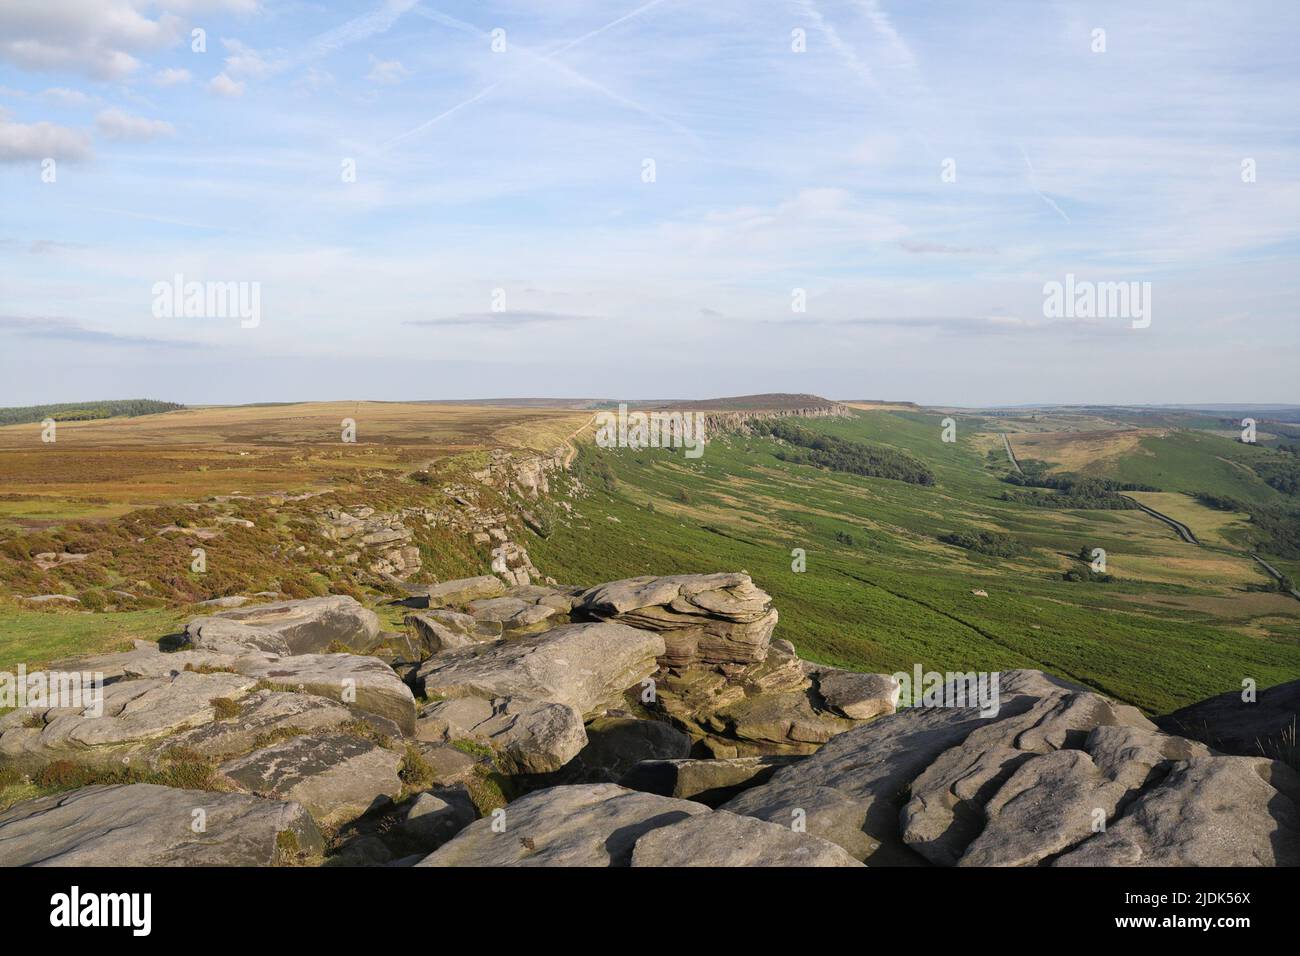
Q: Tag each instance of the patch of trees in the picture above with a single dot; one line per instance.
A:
(839, 454)
(994, 543)
(1086, 572)
(1280, 473)
(85, 411)
(1275, 528)
(1072, 491)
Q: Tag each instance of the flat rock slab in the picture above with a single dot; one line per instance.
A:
(147, 825)
(581, 665)
(595, 825)
(337, 778)
(461, 591)
(233, 637)
(311, 626)
(725, 839)
(263, 714)
(366, 683)
(135, 714)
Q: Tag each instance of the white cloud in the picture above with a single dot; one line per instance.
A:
(115, 124)
(387, 72)
(93, 37)
(223, 85)
(171, 76)
(20, 142)
(67, 97)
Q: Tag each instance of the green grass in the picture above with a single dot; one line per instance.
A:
(36, 638)
(896, 596)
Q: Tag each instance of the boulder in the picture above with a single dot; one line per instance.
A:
(581, 665)
(711, 782)
(595, 825)
(1209, 811)
(725, 839)
(854, 695)
(313, 625)
(134, 716)
(461, 591)
(337, 778)
(441, 630)
(263, 715)
(434, 817)
(1258, 728)
(147, 825)
(710, 618)
(616, 744)
(365, 683)
(529, 736)
(233, 638)
(1033, 784)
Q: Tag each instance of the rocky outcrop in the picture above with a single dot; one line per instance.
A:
(1060, 774)
(711, 782)
(147, 825)
(365, 683)
(607, 825)
(460, 591)
(580, 665)
(313, 625)
(724, 839)
(336, 778)
(529, 736)
(704, 618)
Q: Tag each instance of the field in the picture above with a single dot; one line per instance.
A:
(880, 590)
(105, 468)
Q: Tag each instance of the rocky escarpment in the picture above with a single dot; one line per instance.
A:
(644, 722)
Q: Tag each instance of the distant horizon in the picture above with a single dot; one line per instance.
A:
(570, 399)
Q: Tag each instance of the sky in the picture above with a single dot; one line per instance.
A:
(649, 198)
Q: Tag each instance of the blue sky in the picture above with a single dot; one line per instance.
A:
(514, 178)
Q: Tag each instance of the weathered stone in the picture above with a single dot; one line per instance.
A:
(263, 714)
(725, 839)
(147, 825)
(233, 637)
(850, 789)
(337, 778)
(436, 817)
(135, 714)
(857, 696)
(366, 683)
(616, 744)
(713, 618)
(711, 782)
(595, 825)
(1209, 811)
(580, 665)
(313, 625)
(529, 736)
(461, 591)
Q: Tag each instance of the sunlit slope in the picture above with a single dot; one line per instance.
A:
(881, 592)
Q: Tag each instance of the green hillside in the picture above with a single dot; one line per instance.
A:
(881, 592)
